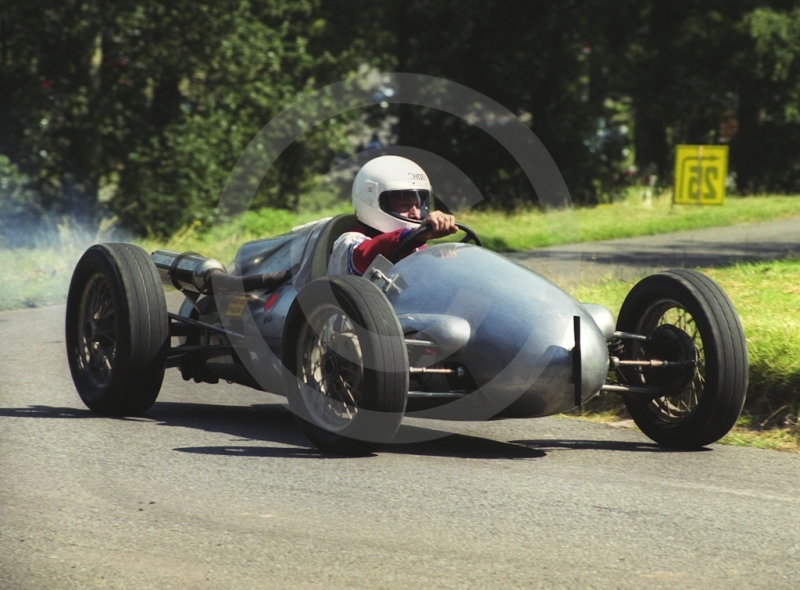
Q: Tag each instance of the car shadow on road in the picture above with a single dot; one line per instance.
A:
(439, 443)
(601, 445)
(274, 424)
(45, 412)
(259, 423)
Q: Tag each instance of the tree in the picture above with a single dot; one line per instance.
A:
(155, 101)
(765, 153)
(544, 61)
(50, 119)
(689, 66)
(210, 91)
(141, 109)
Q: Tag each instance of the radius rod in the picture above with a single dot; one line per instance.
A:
(616, 362)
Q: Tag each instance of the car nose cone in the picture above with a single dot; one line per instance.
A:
(522, 330)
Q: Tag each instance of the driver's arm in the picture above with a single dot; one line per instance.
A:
(365, 252)
(359, 250)
(441, 225)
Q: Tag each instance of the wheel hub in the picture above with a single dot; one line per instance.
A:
(329, 365)
(89, 330)
(670, 343)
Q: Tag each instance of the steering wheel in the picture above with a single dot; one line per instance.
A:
(409, 242)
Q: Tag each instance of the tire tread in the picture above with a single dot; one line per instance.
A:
(724, 346)
(142, 328)
(367, 307)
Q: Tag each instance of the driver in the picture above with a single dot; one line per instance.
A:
(391, 198)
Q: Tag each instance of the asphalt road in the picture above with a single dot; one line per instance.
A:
(630, 258)
(216, 488)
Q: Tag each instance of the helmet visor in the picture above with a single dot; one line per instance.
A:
(407, 203)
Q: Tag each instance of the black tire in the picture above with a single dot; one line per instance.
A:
(117, 330)
(702, 408)
(345, 365)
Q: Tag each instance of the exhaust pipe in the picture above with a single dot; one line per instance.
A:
(189, 271)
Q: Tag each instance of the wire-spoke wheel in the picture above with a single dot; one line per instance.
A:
(346, 365)
(688, 319)
(117, 330)
(97, 334)
(331, 364)
(682, 394)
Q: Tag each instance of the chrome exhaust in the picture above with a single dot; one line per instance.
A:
(186, 271)
(189, 271)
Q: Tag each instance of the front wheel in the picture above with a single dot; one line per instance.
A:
(345, 365)
(117, 329)
(687, 317)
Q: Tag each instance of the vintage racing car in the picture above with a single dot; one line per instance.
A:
(451, 332)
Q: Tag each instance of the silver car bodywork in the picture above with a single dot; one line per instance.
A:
(450, 332)
(508, 331)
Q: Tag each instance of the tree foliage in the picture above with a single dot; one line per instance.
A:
(141, 109)
(766, 152)
(153, 100)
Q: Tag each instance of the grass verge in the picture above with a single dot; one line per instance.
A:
(33, 277)
(522, 230)
(40, 276)
(528, 229)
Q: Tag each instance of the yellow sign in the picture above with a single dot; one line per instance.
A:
(237, 305)
(700, 173)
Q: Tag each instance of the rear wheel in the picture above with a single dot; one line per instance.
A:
(346, 365)
(117, 330)
(688, 318)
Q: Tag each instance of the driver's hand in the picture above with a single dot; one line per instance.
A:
(441, 225)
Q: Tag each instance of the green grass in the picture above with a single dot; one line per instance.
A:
(40, 276)
(750, 433)
(33, 277)
(523, 230)
(767, 297)
(529, 229)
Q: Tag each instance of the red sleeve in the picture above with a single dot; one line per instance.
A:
(384, 244)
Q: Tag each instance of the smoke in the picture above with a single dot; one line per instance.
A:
(38, 255)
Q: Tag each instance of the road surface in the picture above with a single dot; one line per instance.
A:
(216, 488)
(630, 258)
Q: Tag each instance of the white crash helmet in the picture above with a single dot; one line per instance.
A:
(374, 185)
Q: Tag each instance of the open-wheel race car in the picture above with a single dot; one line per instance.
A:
(451, 332)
